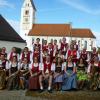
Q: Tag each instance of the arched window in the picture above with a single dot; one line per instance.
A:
(26, 12)
(85, 44)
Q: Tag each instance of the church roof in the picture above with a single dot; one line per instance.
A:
(59, 30)
(85, 33)
(33, 5)
(50, 30)
(7, 33)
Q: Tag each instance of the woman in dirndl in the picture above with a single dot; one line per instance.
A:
(94, 74)
(13, 79)
(81, 73)
(24, 74)
(58, 74)
(3, 71)
(69, 77)
(34, 75)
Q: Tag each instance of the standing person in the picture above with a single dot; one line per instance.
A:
(50, 51)
(3, 51)
(46, 69)
(64, 46)
(60, 54)
(25, 54)
(75, 45)
(55, 48)
(24, 73)
(58, 74)
(37, 44)
(36, 53)
(3, 71)
(81, 73)
(34, 75)
(13, 79)
(44, 45)
(93, 54)
(44, 54)
(73, 53)
(84, 54)
(69, 81)
(13, 53)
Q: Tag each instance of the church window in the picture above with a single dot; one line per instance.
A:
(26, 12)
(91, 44)
(85, 44)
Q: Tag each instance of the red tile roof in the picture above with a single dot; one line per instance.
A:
(50, 30)
(59, 30)
(85, 33)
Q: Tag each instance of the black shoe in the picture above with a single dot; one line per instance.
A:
(41, 90)
(50, 91)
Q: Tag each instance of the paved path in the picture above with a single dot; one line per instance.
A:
(20, 95)
(15, 95)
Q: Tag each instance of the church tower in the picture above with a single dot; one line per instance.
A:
(27, 18)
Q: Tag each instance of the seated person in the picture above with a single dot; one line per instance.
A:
(46, 69)
(3, 71)
(23, 73)
(34, 75)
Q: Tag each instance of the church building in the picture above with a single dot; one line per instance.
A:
(31, 30)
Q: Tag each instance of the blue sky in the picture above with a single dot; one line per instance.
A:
(82, 13)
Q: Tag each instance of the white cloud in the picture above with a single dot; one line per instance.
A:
(5, 3)
(78, 4)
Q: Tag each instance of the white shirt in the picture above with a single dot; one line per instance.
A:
(14, 54)
(6, 66)
(23, 65)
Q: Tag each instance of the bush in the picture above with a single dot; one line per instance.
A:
(18, 50)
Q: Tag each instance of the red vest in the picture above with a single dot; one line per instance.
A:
(83, 55)
(63, 46)
(72, 53)
(5, 54)
(27, 56)
(44, 47)
(36, 54)
(35, 69)
(94, 54)
(38, 45)
(47, 66)
(11, 55)
(50, 52)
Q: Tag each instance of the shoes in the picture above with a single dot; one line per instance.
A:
(41, 90)
(50, 91)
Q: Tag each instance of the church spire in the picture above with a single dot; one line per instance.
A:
(27, 16)
(33, 5)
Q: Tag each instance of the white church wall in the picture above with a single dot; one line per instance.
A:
(9, 45)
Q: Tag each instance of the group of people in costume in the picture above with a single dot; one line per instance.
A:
(50, 66)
